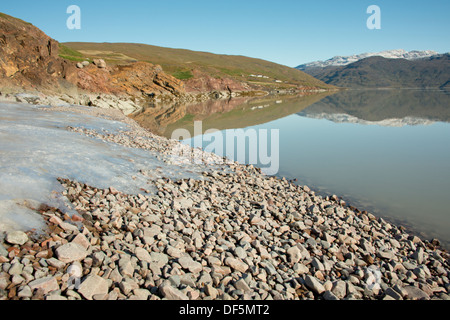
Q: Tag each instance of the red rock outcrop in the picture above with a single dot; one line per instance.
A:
(202, 82)
(29, 58)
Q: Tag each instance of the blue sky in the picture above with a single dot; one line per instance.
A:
(289, 32)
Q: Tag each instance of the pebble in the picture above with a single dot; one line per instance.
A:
(93, 285)
(16, 237)
(314, 284)
(235, 234)
(70, 252)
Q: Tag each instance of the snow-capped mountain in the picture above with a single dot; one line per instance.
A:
(339, 61)
(346, 118)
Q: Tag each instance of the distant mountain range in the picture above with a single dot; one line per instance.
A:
(390, 107)
(340, 61)
(387, 69)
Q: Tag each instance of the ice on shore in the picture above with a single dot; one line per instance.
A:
(36, 148)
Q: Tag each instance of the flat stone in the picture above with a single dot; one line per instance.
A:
(388, 255)
(56, 263)
(188, 263)
(236, 264)
(174, 252)
(171, 293)
(211, 291)
(143, 255)
(3, 251)
(70, 252)
(415, 293)
(15, 269)
(328, 295)
(158, 259)
(339, 289)
(25, 292)
(294, 254)
(182, 203)
(128, 286)
(314, 284)
(418, 255)
(93, 285)
(393, 294)
(47, 284)
(300, 268)
(317, 264)
(81, 240)
(242, 285)
(16, 237)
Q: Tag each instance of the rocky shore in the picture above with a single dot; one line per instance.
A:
(234, 234)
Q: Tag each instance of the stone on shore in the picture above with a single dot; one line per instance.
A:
(171, 293)
(46, 285)
(16, 237)
(93, 285)
(314, 284)
(70, 252)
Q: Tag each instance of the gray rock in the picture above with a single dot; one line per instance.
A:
(415, 293)
(300, 268)
(236, 264)
(242, 285)
(158, 259)
(188, 280)
(388, 255)
(339, 289)
(393, 294)
(142, 255)
(16, 237)
(47, 284)
(294, 254)
(418, 255)
(3, 251)
(93, 285)
(56, 263)
(328, 295)
(128, 285)
(100, 63)
(171, 293)
(240, 252)
(314, 284)
(126, 268)
(16, 269)
(317, 264)
(25, 292)
(70, 252)
(188, 263)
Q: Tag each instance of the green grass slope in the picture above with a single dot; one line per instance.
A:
(181, 63)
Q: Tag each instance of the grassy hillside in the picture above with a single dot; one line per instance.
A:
(378, 72)
(181, 63)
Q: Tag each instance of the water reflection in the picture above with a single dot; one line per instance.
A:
(380, 105)
(387, 151)
(222, 114)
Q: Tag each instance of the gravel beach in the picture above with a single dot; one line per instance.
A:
(235, 234)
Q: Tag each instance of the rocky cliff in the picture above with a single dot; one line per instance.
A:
(30, 60)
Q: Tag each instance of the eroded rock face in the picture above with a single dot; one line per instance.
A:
(205, 83)
(29, 58)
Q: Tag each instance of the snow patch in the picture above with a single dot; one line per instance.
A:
(36, 149)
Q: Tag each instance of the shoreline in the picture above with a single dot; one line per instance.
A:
(236, 234)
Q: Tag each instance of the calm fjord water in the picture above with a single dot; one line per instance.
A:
(385, 151)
